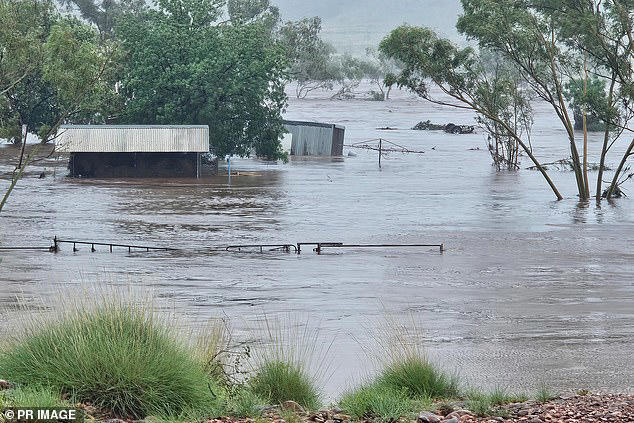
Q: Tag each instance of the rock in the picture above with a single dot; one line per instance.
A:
(351, 154)
(5, 385)
(293, 406)
(427, 417)
(452, 420)
(523, 412)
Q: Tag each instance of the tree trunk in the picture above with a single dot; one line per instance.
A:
(606, 140)
(585, 132)
(615, 180)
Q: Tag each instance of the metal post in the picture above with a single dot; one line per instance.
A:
(197, 165)
(380, 151)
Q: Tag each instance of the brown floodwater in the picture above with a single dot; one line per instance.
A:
(529, 290)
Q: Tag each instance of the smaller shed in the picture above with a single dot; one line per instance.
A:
(134, 151)
(315, 139)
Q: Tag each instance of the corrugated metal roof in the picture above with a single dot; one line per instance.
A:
(133, 139)
(318, 124)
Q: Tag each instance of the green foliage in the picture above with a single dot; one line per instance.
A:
(376, 401)
(117, 357)
(104, 13)
(31, 397)
(58, 70)
(279, 381)
(417, 377)
(595, 102)
(181, 68)
(488, 404)
(244, 403)
(544, 394)
(312, 63)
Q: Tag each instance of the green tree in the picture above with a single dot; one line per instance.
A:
(531, 40)
(377, 67)
(66, 80)
(462, 75)
(103, 13)
(182, 67)
(312, 64)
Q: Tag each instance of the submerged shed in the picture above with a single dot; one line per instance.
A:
(136, 151)
(315, 139)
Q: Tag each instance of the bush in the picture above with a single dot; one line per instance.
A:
(376, 401)
(117, 357)
(278, 381)
(416, 376)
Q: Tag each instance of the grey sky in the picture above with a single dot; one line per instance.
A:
(353, 25)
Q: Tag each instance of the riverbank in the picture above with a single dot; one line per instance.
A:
(117, 359)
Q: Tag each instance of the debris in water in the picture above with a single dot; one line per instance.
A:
(450, 128)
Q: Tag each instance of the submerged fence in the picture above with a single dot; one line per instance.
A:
(296, 248)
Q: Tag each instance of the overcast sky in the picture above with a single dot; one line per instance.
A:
(353, 25)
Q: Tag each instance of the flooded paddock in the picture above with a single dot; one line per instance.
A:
(528, 291)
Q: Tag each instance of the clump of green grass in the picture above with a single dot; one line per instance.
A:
(404, 364)
(31, 397)
(488, 404)
(289, 364)
(279, 381)
(418, 377)
(244, 403)
(376, 401)
(544, 394)
(118, 357)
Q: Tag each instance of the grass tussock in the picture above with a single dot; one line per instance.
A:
(489, 404)
(376, 401)
(32, 397)
(289, 364)
(405, 366)
(419, 378)
(116, 356)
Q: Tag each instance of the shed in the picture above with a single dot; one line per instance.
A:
(136, 151)
(315, 139)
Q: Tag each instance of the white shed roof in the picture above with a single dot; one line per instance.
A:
(133, 139)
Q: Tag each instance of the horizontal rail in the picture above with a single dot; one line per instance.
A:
(26, 248)
(323, 245)
(107, 244)
(296, 248)
(285, 247)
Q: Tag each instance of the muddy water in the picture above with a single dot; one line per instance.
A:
(529, 290)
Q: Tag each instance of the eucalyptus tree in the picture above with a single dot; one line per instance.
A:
(466, 81)
(602, 32)
(312, 64)
(65, 79)
(531, 41)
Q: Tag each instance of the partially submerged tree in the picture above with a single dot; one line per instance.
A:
(182, 66)
(464, 79)
(66, 80)
(378, 67)
(531, 41)
(312, 64)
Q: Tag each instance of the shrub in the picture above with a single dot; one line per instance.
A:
(118, 357)
(278, 381)
(418, 377)
(376, 401)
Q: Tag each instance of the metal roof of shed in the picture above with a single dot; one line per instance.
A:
(133, 139)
